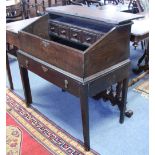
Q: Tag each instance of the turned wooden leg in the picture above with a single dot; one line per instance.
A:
(147, 53)
(123, 100)
(26, 85)
(142, 45)
(145, 58)
(141, 58)
(85, 115)
(9, 72)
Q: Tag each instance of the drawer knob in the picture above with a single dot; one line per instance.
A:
(88, 39)
(66, 83)
(44, 68)
(63, 31)
(75, 35)
(26, 63)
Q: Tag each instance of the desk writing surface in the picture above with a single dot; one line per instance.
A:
(95, 14)
(19, 25)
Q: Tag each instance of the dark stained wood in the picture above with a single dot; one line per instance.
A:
(9, 72)
(64, 57)
(138, 38)
(99, 56)
(45, 71)
(124, 100)
(14, 12)
(135, 6)
(12, 38)
(99, 59)
(13, 28)
(109, 50)
(85, 115)
(12, 51)
(95, 14)
(140, 33)
(55, 54)
(49, 3)
(74, 31)
(26, 85)
(140, 29)
(109, 78)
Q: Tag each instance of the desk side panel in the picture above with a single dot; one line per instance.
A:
(108, 51)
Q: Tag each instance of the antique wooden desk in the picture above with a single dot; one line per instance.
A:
(81, 50)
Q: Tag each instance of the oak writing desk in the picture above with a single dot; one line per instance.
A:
(81, 50)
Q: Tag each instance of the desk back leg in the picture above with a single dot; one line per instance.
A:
(9, 72)
(85, 115)
(26, 85)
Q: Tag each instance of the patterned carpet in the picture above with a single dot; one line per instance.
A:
(47, 133)
(143, 88)
(13, 140)
(19, 141)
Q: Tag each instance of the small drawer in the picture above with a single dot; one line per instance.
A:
(75, 35)
(88, 38)
(64, 32)
(53, 28)
(32, 65)
(38, 67)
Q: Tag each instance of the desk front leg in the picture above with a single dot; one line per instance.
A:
(123, 100)
(85, 115)
(26, 85)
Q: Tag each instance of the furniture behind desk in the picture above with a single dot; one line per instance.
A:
(12, 38)
(140, 32)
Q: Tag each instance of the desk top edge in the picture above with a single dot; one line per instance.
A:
(95, 14)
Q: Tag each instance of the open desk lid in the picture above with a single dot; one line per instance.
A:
(114, 17)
